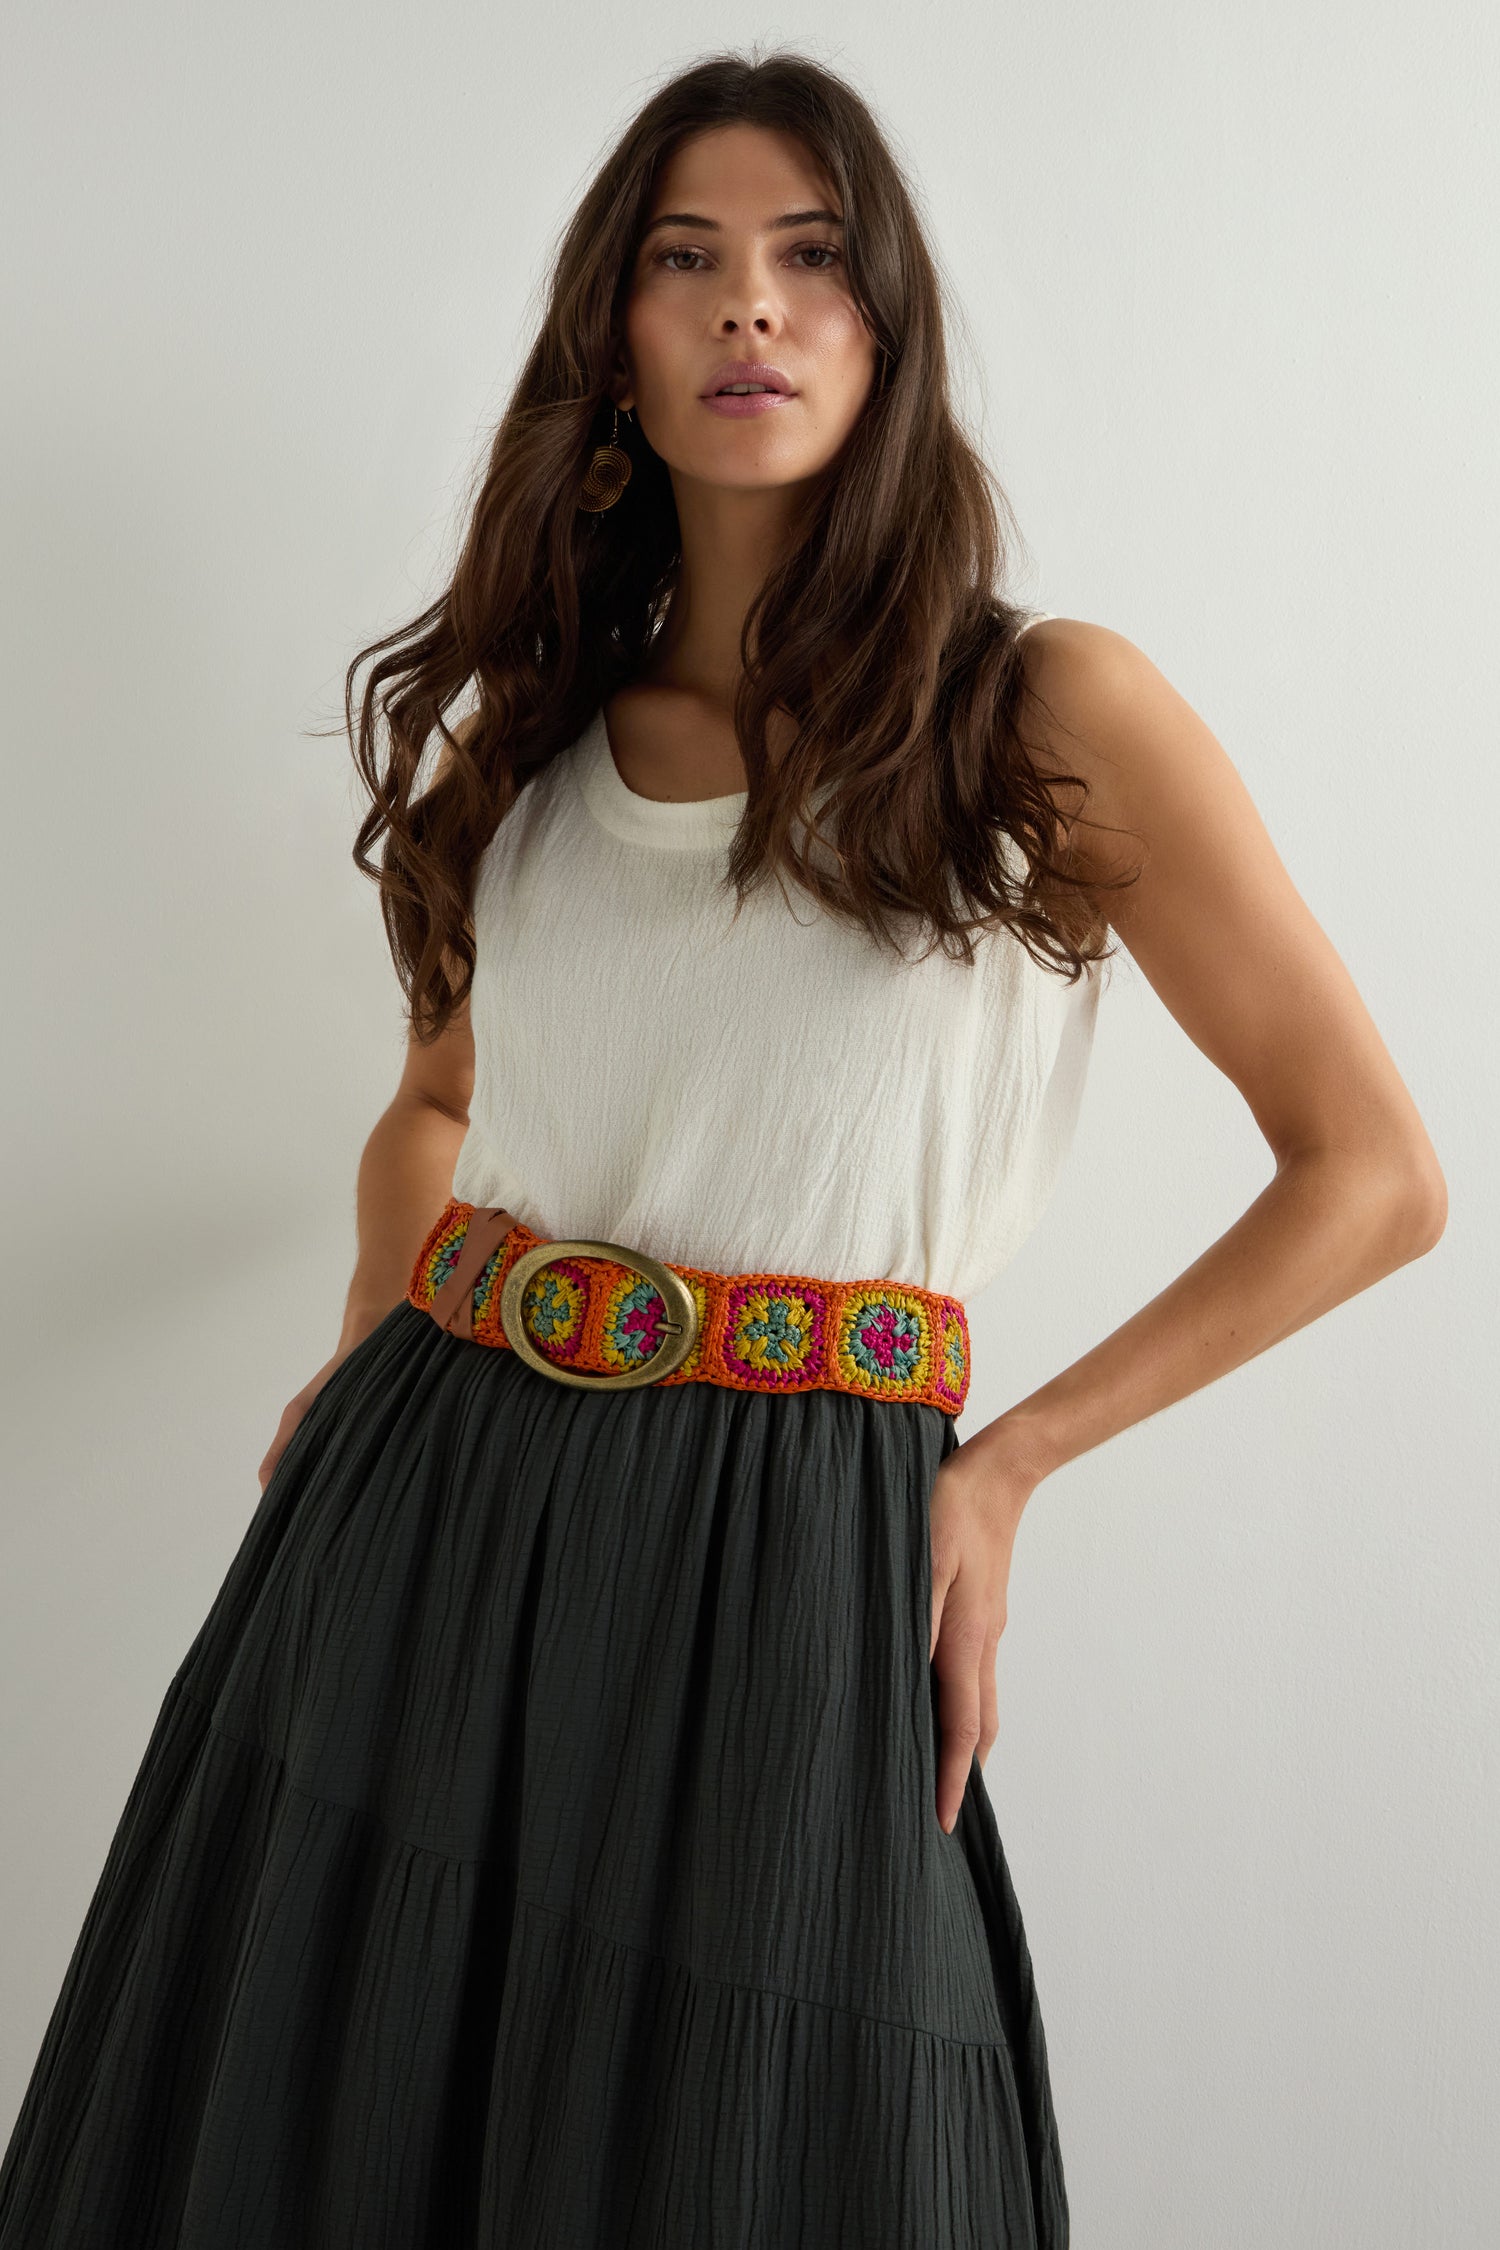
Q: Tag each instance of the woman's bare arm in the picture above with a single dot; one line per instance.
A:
(1222, 935)
(406, 1171)
(1224, 938)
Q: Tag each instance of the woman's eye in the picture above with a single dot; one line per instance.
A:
(826, 252)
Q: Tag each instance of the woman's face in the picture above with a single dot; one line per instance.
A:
(742, 260)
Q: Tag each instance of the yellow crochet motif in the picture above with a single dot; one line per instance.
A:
(756, 1331)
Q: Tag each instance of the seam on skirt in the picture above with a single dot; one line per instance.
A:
(575, 1921)
(763, 1991)
(313, 1796)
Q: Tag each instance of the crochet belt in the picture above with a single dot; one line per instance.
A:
(607, 1317)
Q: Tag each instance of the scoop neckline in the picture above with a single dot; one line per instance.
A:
(695, 824)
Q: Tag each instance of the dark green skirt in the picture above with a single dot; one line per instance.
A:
(537, 1849)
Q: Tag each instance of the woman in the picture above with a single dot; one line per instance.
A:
(568, 1825)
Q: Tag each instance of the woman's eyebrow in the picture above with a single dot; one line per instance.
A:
(713, 226)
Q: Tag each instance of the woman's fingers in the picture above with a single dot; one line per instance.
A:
(293, 1411)
(989, 1713)
(971, 1542)
(959, 1632)
(968, 1709)
(291, 1415)
(959, 1649)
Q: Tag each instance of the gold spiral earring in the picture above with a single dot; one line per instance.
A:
(608, 473)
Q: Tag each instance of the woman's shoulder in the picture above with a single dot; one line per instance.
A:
(1079, 659)
(1102, 711)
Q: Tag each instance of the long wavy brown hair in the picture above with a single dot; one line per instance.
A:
(882, 634)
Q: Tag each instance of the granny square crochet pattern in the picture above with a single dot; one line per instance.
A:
(756, 1331)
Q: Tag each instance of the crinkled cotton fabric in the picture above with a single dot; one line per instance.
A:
(537, 1847)
(772, 1093)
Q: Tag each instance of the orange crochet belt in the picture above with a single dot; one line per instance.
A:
(605, 1316)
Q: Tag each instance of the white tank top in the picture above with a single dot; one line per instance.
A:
(777, 1096)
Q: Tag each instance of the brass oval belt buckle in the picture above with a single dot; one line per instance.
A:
(681, 1323)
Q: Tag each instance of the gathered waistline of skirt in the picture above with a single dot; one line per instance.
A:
(588, 1317)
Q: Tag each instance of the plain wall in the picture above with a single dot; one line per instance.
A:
(1229, 336)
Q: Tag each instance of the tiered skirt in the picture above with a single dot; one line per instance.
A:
(537, 1849)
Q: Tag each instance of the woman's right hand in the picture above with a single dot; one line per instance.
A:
(295, 1408)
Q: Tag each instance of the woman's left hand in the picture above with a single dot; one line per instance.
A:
(977, 1499)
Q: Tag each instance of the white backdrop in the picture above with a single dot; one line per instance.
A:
(1230, 338)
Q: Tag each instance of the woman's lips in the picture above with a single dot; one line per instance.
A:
(736, 403)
